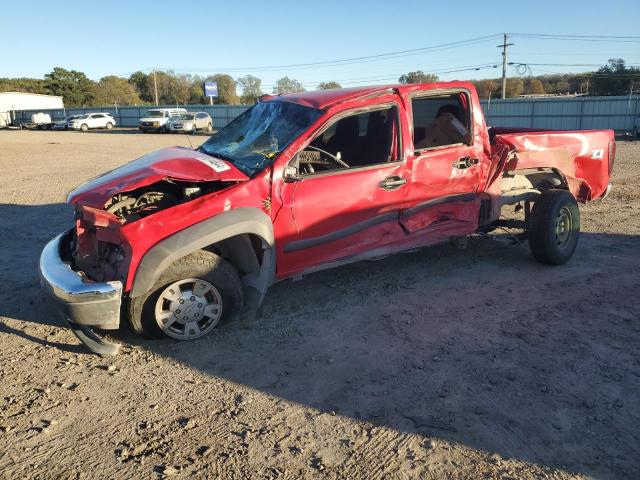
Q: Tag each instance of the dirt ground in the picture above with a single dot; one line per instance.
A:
(440, 363)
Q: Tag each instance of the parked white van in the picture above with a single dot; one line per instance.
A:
(157, 119)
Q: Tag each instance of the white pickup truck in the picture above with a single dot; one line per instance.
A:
(157, 119)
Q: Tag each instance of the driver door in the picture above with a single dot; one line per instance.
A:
(332, 212)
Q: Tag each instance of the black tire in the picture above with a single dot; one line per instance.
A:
(194, 130)
(209, 127)
(109, 126)
(199, 264)
(554, 227)
(84, 127)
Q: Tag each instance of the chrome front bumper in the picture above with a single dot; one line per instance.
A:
(81, 301)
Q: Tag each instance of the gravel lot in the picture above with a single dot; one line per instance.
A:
(440, 363)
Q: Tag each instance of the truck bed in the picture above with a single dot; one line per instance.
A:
(583, 157)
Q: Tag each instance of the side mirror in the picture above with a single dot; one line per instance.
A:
(290, 174)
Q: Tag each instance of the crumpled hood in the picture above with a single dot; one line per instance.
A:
(176, 163)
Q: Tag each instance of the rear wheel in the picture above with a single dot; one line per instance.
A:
(190, 299)
(109, 125)
(194, 130)
(554, 227)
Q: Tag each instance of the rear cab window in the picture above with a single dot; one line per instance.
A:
(440, 120)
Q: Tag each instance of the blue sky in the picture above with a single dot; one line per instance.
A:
(118, 37)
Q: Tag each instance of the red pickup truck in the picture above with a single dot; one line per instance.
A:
(180, 240)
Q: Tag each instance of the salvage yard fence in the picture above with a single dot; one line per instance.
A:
(562, 113)
(129, 116)
(553, 113)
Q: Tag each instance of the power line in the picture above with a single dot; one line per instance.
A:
(564, 64)
(347, 61)
(581, 38)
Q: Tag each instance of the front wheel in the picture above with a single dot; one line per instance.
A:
(190, 298)
(84, 127)
(209, 127)
(554, 227)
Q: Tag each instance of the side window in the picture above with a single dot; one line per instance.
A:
(440, 120)
(97, 115)
(358, 140)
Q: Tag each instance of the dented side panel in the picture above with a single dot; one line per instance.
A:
(583, 158)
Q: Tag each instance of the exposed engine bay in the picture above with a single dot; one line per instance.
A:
(96, 248)
(142, 202)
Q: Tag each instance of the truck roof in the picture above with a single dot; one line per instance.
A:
(325, 98)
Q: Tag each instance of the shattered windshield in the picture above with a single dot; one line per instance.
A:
(253, 140)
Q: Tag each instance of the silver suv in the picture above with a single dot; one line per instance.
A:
(191, 122)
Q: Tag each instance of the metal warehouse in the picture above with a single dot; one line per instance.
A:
(25, 101)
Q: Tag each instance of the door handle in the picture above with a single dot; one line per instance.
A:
(465, 162)
(392, 182)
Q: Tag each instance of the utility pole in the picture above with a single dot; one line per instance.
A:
(504, 65)
(155, 86)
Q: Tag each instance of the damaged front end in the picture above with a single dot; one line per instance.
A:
(86, 268)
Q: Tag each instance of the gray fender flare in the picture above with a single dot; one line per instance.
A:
(245, 220)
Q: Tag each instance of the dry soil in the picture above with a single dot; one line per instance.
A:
(440, 363)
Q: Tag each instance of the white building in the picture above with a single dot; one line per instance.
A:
(25, 101)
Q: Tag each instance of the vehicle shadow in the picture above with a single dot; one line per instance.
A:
(481, 346)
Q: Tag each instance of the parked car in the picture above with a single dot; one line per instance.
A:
(64, 123)
(191, 122)
(157, 119)
(185, 239)
(89, 121)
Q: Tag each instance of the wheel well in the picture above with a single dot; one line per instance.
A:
(523, 185)
(244, 251)
(534, 178)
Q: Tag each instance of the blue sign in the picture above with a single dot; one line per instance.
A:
(210, 89)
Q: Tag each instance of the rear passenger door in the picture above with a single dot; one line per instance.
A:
(445, 165)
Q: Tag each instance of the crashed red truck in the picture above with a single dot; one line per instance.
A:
(180, 239)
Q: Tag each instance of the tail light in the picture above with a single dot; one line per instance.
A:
(612, 155)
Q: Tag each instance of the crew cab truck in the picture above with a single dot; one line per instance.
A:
(180, 240)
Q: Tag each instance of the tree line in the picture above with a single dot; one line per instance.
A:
(615, 78)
